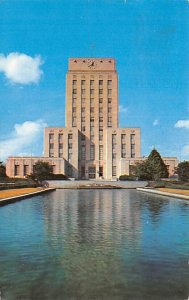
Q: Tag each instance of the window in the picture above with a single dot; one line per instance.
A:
(100, 171)
(109, 83)
(100, 91)
(70, 136)
(51, 136)
(91, 91)
(69, 155)
(91, 83)
(100, 152)
(123, 138)
(92, 109)
(101, 124)
(82, 100)
(100, 100)
(100, 137)
(100, 110)
(132, 138)
(26, 170)
(100, 82)
(74, 82)
(74, 122)
(51, 146)
(70, 146)
(92, 152)
(82, 82)
(109, 92)
(109, 100)
(113, 138)
(83, 128)
(113, 155)
(74, 91)
(60, 137)
(83, 109)
(114, 171)
(83, 152)
(132, 150)
(60, 146)
(109, 109)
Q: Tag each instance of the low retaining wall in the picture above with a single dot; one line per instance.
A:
(24, 196)
(92, 184)
(151, 191)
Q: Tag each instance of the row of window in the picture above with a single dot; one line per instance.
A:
(100, 83)
(26, 170)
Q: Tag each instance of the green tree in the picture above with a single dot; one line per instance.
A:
(41, 171)
(153, 168)
(156, 166)
(2, 170)
(142, 172)
(183, 171)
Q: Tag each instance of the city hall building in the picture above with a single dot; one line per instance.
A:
(91, 146)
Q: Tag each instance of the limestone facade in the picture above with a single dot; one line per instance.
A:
(91, 146)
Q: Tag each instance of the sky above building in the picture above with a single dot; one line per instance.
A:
(149, 40)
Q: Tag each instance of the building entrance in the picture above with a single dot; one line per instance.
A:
(92, 172)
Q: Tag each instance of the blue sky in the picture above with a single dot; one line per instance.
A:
(149, 40)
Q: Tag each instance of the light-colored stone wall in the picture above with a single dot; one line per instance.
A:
(91, 109)
(171, 162)
(69, 150)
(114, 153)
(57, 163)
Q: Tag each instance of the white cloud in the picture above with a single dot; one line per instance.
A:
(156, 122)
(185, 151)
(21, 68)
(123, 109)
(182, 124)
(22, 138)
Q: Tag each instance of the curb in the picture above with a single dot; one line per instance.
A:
(14, 199)
(151, 191)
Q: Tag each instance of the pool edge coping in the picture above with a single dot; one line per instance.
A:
(151, 191)
(14, 199)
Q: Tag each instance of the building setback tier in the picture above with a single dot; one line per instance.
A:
(91, 146)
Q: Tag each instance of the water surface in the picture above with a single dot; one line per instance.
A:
(95, 244)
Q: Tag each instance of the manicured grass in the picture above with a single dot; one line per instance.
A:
(174, 191)
(17, 192)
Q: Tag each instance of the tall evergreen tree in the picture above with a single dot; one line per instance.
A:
(153, 168)
(156, 166)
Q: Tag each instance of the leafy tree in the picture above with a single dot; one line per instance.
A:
(183, 171)
(142, 172)
(2, 170)
(41, 171)
(153, 168)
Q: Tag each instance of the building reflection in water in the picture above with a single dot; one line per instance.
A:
(93, 216)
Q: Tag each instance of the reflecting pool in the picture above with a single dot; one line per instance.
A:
(95, 244)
